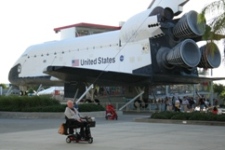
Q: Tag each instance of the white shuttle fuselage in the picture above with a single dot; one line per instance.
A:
(99, 52)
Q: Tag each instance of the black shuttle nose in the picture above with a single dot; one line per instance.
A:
(14, 74)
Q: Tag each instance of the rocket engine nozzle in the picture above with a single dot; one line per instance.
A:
(185, 54)
(211, 57)
(188, 26)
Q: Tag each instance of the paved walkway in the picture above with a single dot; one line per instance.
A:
(121, 135)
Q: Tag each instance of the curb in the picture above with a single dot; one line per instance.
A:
(189, 122)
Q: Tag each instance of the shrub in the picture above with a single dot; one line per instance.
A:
(220, 117)
(54, 108)
(188, 116)
(40, 104)
(158, 116)
(163, 115)
(90, 107)
(198, 116)
(179, 116)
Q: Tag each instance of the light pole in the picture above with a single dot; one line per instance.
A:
(211, 89)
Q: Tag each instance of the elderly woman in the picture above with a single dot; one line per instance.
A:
(73, 118)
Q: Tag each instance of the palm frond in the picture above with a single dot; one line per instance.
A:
(217, 23)
(214, 7)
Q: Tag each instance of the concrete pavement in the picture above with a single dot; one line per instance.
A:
(123, 134)
(47, 115)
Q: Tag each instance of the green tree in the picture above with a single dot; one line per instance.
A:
(215, 29)
(222, 95)
(4, 86)
(215, 25)
(218, 88)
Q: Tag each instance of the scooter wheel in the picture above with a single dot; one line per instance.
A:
(68, 140)
(90, 140)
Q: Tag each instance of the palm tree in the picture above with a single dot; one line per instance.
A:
(215, 29)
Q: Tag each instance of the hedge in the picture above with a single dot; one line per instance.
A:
(40, 104)
(188, 116)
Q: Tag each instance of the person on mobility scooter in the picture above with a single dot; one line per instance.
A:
(74, 121)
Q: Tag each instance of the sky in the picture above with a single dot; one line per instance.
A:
(28, 22)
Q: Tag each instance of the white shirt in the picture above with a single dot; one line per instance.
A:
(70, 114)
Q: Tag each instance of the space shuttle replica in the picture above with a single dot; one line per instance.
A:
(154, 47)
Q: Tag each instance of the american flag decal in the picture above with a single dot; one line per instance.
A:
(75, 62)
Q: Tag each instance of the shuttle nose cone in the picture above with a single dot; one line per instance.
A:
(14, 74)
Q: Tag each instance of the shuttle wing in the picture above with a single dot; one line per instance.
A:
(184, 79)
(71, 74)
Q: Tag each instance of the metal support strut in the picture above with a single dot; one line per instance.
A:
(140, 94)
(87, 90)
